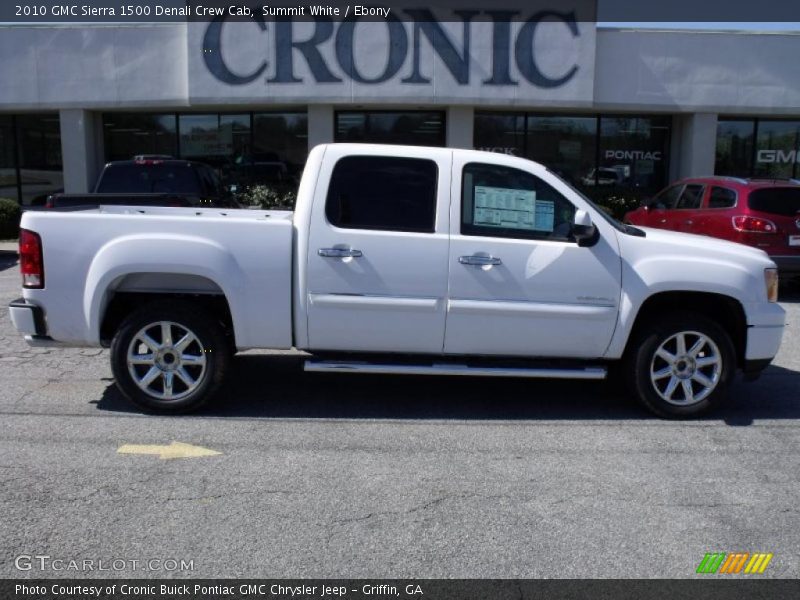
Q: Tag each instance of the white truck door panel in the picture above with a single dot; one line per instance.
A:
(518, 284)
(377, 261)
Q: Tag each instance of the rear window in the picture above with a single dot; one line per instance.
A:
(776, 201)
(148, 179)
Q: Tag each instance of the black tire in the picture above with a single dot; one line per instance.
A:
(211, 343)
(641, 361)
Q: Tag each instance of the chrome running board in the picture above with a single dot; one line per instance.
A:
(331, 366)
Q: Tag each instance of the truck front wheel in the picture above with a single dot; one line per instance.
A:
(681, 365)
(169, 356)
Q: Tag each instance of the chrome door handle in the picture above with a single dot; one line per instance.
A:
(479, 261)
(340, 253)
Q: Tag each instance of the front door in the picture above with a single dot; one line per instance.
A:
(377, 256)
(519, 283)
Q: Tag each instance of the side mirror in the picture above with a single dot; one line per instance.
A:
(583, 230)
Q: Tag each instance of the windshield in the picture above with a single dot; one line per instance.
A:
(616, 224)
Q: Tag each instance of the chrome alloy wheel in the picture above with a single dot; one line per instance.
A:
(686, 368)
(162, 367)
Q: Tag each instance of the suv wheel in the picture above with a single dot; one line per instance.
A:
(681, 366)
(169, 356)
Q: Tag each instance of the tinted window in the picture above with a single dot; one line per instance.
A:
(721, 198)
(148, 179)
(735, 147)
(691, 197)
(504, 202)
(411, 128)
(778, 201)
(372, 192)
(668, 198)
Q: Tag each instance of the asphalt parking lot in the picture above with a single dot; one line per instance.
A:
(373, 476)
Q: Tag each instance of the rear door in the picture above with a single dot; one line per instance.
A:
(377, 257)
(714, 218)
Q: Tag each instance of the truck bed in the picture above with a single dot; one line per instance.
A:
(245, 254)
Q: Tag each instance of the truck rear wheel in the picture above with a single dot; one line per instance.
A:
(681, 365)
(169, 356)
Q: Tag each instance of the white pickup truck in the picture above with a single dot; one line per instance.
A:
(402, 259)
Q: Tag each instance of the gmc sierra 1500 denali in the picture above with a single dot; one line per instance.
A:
(401, 259)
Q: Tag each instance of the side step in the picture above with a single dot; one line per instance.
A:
(335, 366)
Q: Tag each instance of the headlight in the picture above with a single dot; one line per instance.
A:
(771, 281)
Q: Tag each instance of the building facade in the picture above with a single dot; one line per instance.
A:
(615, 111)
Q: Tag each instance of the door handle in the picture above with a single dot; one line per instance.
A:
(479, 261)
(340, 253)
(690, 222)
(663, 221)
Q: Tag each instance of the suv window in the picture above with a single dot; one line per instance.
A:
(721, 198)
(504, 202)
(376, 192)
(691, 197)
(777, 201)
(668, 198)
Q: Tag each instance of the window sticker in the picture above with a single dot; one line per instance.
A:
(512, 209)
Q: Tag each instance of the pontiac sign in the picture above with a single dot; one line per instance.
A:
(546, 56)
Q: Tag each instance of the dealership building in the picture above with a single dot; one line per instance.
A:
(624, 109)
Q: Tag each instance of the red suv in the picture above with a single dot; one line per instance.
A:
(764, 214)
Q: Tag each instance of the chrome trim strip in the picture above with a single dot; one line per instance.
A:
(359, 301)
(532, 309)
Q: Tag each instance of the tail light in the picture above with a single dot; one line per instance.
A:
(31, 264)
(754, 225)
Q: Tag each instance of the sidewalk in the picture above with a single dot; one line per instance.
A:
(9, 247)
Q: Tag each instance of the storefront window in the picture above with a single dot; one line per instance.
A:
(567, 145)
(503, 133)
(129, 134)
(39, 157)
(206, 139)
(735, 147)
(628, 159)
(246, 149)
(412, 128)
(281, 138)
(777, 143)
(8, 162)
(633, 154)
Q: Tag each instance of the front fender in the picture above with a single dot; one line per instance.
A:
(670, 273)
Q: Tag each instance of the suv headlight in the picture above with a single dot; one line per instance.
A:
(771, 281)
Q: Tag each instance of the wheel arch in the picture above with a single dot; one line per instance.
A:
(728, 312)
(128, 295)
